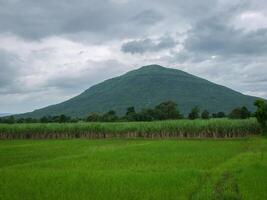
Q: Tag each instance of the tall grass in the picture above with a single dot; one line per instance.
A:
(216, 128)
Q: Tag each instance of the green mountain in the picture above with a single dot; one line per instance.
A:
(147, 87)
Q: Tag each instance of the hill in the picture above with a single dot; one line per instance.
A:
(147, 87)
(5, 114)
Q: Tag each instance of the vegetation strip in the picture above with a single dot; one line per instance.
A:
(214, 128)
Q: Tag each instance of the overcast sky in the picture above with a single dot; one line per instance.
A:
(53, 50)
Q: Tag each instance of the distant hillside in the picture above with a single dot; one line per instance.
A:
(5, 114)
(147, 87)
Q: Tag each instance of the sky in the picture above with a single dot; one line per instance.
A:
(52, 50)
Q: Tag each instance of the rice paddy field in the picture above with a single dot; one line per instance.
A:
(134, 169)
(215, 128)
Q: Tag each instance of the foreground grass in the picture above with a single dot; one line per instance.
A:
(133, 169)
(216, 128)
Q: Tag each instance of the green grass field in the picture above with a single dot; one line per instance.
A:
(134, 169)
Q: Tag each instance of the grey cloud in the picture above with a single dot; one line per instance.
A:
(148, 45)
(211, 36)
(240, 61)
(8, 69)
(12, 73)
(32, 19)
(88, 77)
(38, 19)
(148, 17)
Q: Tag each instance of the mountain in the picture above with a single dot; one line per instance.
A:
(5, 114)
(147, 87)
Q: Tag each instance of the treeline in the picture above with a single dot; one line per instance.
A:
(164, 111)
(45, 119)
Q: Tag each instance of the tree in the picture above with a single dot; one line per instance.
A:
(55, 119)
(10, 120)
(220, 115)
(194, 114)
(245, 113)
(63, 119)
(130, 114)
(110, 116)
(235, 113)
(145, 115)
(94, 117)
(240, 113)
(167, 110)
(44, 119)
(130, 110)
(261, 113)
(205, 114)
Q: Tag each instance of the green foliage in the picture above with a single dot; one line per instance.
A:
(8, 120)
(205, 114)
(131, 114)
(130, 110)
(63, 119)
(194, 114)
(221, 115)
(261, 113)
(240, 113)
(44, 120)
(146, 115)
(110, 116)
(166, 110)
(94, 117)
(146, 88)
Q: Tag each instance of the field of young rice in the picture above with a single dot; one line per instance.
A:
(127, 169)
(215, 128)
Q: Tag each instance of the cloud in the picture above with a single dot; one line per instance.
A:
(148, 45)
(35, 20)
(10, 68)
(213, 37)
(53, 50)
(7, 71)
(147, 17)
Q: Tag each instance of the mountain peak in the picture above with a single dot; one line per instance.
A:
(153, 66)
